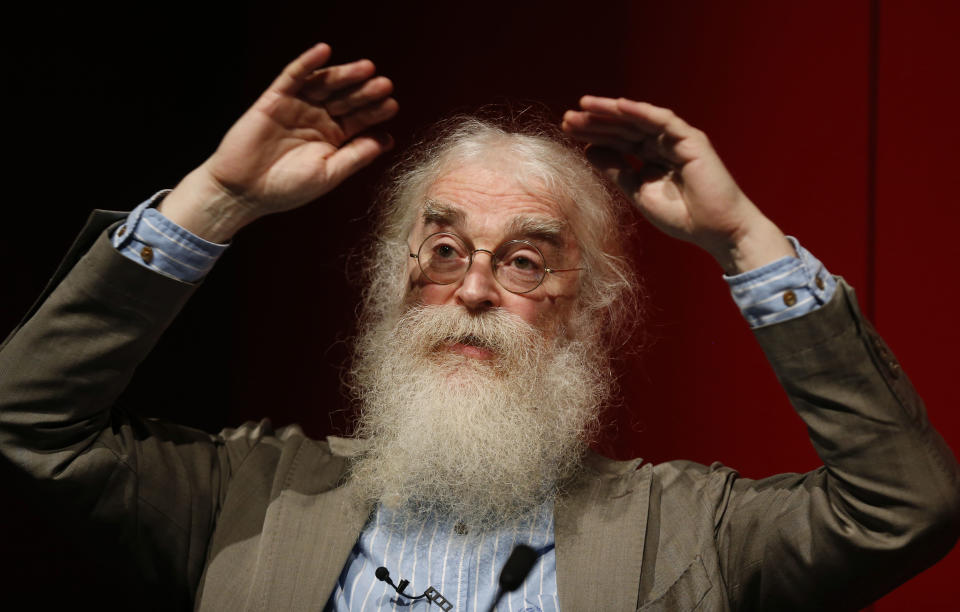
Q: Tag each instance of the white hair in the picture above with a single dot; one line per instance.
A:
(544, 161)
(481, 441)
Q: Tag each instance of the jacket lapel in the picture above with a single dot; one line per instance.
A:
(316, 532)
(600, 528)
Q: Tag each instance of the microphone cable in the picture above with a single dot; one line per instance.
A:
(432, 594)
(516, 569)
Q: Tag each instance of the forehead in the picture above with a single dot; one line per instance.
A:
(485, 199)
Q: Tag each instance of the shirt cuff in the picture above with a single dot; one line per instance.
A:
(155, 242)
(784, 289)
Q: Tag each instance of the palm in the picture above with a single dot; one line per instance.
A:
(274, 160)
(689, 203)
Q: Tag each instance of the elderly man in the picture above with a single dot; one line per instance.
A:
(497, 288)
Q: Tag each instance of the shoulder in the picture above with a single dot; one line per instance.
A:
(681, 493)
(681, 478)
(682, 490)
(681, 475)
(286, 456)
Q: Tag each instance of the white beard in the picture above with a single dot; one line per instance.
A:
(480, 441)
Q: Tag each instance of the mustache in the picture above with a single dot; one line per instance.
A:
(470, 339)
(439, 326)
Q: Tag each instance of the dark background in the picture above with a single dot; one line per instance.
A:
(838, 119)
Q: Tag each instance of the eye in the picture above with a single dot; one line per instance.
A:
(443, 258)
(522, 263)
(519, 258)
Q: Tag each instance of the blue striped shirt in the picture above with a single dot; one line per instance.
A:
(784, 289)
(463, 567)
(152, 240)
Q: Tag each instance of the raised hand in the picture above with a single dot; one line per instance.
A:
(682, 186)
(312, 128)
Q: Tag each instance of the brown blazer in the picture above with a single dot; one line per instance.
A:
(257, 519)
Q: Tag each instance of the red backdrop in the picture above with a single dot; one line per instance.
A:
(837, 118)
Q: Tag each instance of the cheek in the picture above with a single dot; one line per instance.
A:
(419, 291)
(433, 294)
(535, 312)
(550, 313)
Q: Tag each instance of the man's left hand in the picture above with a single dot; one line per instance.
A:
(682, 186)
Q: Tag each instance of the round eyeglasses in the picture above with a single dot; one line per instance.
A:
(517, 265)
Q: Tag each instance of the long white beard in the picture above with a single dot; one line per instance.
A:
(480, 441)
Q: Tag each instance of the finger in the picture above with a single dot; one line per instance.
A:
(358, 96)
(368, 116)
(656, 149)
(359, 152)
(667, 121)
(612, 164)
(627, 147)
(652, 188)
(659, 149)
(621, 172)
(599, 104)
(297, 71)
(323, 83)
(673, 140)
(645, 116)
(579, 121)
(609, 107)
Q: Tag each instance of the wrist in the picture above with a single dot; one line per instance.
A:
(200, 205)
(761, 244)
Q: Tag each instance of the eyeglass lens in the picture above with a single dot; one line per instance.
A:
(517, 265)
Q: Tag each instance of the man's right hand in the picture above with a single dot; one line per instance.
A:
(310, 130)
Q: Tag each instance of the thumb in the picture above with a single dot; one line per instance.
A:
(356, 154)
(614, 166)
(617, 167)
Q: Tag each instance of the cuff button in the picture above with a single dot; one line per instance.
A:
(819, 283)
(789, 298)
(146, 254)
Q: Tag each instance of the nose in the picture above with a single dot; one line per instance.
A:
(479, 290)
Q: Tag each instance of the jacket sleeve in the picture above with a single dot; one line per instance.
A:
(153, 487)
(885, 504)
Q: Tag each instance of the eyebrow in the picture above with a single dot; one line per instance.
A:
(440, 213)
(545, 229)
